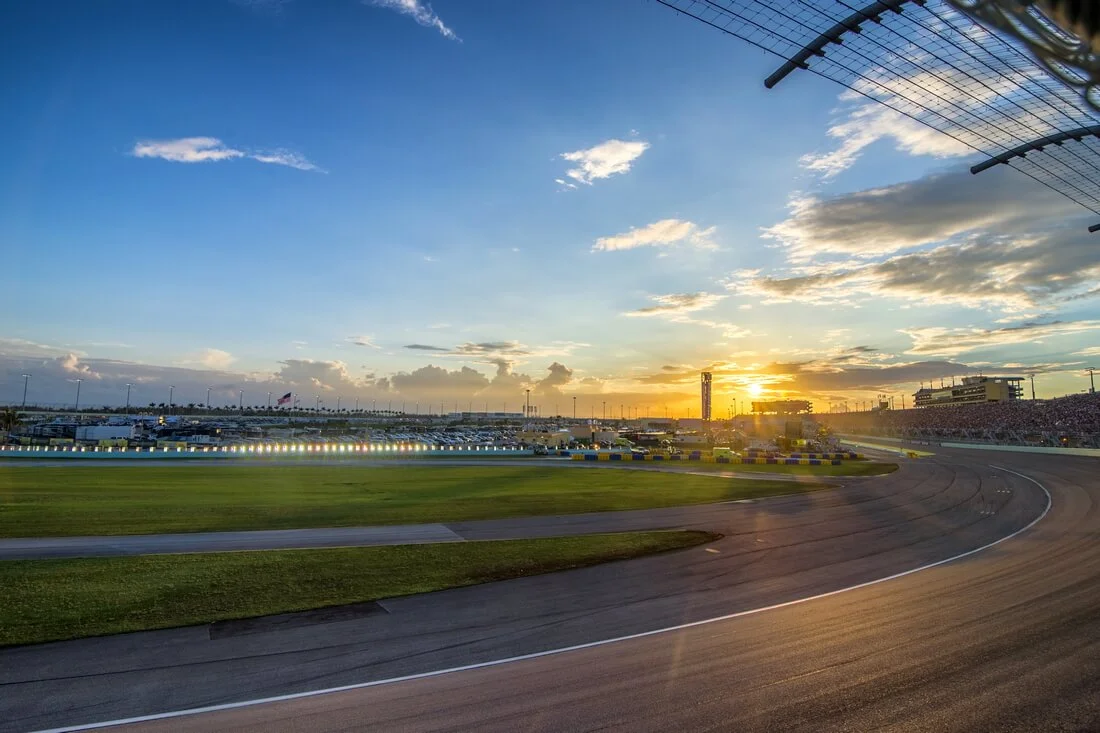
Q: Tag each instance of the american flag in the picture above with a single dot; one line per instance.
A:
(284, 399)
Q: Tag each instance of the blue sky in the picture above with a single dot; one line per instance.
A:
(270, 195)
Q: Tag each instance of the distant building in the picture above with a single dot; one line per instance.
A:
(548, 438)
(972, 390)
(783, 407)
(691, 423)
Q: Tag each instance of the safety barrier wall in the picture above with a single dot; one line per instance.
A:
(698, 457)
(340, 450)
(1090, 452)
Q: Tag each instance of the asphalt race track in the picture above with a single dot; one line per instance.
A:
(1004, 639)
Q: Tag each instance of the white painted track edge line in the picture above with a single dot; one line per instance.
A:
(562, 650)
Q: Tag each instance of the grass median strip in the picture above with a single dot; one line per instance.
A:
(131, 499)
(48, 600)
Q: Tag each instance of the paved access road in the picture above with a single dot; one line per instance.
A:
(1007, 639)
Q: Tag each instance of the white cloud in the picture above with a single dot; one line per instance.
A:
(367, 341)
(211, 359)
(658, 234)
(950, 341)
(211, 149)
(186, 150)
(603, 160)
(287, 158)
(869, 123)
(1090, 351)
(418, 11)
(72, 364)
(23, 347)
(677, 303)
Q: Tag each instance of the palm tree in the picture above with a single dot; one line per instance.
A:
(10, 419)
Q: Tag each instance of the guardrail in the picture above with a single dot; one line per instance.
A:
(346, 450)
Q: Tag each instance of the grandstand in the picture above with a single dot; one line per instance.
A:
(1071, 421)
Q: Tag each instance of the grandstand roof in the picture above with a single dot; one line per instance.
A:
(934, 64)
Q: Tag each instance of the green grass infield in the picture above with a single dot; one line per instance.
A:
(130, 499)
(49, 600)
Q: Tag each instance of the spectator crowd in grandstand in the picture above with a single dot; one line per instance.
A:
(1066, 421)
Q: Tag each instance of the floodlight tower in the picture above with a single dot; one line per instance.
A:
(705, 387)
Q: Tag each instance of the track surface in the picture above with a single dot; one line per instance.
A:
(1008, 639)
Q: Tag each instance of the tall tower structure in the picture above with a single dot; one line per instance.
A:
(704, 388)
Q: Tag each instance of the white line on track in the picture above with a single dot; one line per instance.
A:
(551, 652)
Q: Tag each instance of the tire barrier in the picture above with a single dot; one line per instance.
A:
(853, 456)
(699, 457)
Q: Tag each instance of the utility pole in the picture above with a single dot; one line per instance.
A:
(27, 376)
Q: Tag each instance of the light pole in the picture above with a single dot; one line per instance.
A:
(527, 408)
(316, 403)
(357, 404)
(604, 410)
(240, 403)
(25, 378)
(1090, 370)
(171, 389)
(76, 407)
(574, 407)
(208, 397)
(1032, 378)
(269, 400)
(338, 403)
(128, 386)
